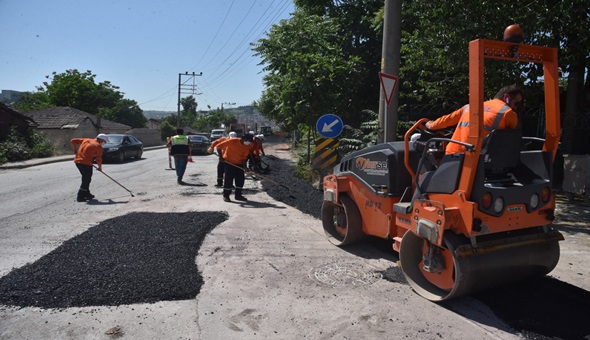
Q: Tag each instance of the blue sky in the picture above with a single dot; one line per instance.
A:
(140, 46)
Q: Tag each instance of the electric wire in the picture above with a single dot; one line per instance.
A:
(209, 84)
(210, 79)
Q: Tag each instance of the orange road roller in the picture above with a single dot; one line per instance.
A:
(462, 222)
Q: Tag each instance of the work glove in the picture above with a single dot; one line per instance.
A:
(210, 151)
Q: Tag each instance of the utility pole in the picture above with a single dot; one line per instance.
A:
(187, 88)
(390, 61)
(227, 103)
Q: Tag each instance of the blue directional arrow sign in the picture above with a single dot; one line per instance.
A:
(329, 126)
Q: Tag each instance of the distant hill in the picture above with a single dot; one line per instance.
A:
(157, 114)
(248, 115)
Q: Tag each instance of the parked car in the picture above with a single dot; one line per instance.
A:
(121, 147)
(217, 133)
(199, 144)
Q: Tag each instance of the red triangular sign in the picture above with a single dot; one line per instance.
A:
(388, 83)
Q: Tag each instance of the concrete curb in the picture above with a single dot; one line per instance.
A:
(48, 160)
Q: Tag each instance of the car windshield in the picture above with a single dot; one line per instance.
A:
(115, 139)
(198, 139)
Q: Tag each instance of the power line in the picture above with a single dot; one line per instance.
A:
(215, 36)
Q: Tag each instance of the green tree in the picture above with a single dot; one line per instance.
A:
(167, 129)
(189, 111)
(435, 53)
(125, 112)
(213, 119)
(80, 91)
(31, 101)
(307, 74)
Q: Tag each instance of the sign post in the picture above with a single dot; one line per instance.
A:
(388, 83)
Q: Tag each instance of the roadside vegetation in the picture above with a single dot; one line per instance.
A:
(16, 146)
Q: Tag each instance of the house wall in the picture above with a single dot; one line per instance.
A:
(60, 138)
(148, 137)
(8, 120)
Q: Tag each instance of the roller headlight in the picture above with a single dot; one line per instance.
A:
(534, 201)
(498, 204)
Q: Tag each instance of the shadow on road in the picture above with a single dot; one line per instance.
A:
(545, 308)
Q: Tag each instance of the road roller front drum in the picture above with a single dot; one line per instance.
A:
(342, 222)
(458, 268)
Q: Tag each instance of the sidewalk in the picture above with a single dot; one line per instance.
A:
(55, 159)
(36, 161)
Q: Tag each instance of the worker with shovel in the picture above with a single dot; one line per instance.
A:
(87, 151)
(235, 155)
(221, 163)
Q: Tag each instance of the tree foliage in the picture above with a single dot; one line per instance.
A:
(308, 75)
(434, 57)
(125, 111)
(79, 90)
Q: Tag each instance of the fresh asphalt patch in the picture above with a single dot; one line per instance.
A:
(140, 257)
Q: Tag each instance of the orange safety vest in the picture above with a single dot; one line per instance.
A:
(217, 141)
(89, 150)
(257, 146)
(234, 151)
(497, 115)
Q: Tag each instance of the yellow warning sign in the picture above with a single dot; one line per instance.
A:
(326, 153)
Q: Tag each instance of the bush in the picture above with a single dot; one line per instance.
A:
(16, 146)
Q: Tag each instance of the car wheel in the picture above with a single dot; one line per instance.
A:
(121, 157)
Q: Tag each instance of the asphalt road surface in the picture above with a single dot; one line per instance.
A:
(176, 262)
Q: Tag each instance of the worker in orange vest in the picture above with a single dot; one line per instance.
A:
(221, 164)
(498, 114)
(254, 163)
(87, 151)
(235, 155)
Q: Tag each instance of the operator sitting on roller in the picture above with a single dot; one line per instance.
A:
(235, 154)
(498, 114)
(221, 164)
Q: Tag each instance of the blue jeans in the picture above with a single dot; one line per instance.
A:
(180, 163)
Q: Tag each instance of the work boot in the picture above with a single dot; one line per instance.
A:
(89, 195)
(81, 196)
(226, 199)
(219, 184)
(240, 198)
(180, 182)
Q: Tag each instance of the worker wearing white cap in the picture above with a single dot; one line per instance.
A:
(88, 150)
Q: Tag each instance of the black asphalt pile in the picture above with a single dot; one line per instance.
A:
(292, 190)
(135, 258)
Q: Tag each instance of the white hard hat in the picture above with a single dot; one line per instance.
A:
(103, 137)
(261, 136)
(251, 132)
(232, 134)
